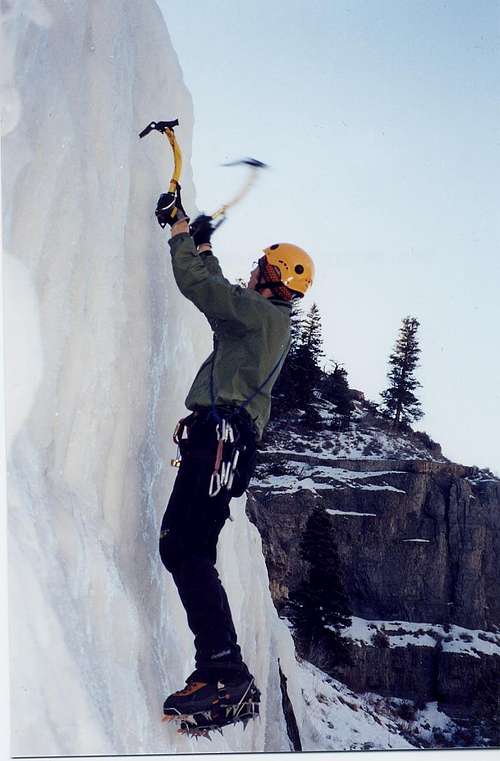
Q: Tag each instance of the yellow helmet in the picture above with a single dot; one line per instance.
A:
(295, 265)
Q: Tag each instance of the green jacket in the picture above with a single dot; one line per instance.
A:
(251, 333)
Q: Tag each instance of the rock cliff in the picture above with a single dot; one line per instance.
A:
(418, 538)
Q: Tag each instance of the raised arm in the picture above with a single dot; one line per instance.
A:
(200, 279)
(211, 262)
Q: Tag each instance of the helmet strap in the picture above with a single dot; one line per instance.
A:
(268, 284)
(278, 288)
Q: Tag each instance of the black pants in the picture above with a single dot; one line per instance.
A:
(188, 544)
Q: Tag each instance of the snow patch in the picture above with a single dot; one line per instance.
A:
(349, 512)
(338, 719)
(417, 540)
(307, 476)
(361, 441)
(456, 639)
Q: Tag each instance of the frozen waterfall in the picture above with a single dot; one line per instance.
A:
(100, 351)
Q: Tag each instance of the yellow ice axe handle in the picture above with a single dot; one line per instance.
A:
(174, 181)
(254, 165)
(167, 128)
(244, 190)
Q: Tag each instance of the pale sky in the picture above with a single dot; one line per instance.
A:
(380, 121)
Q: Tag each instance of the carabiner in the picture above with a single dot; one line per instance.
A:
(225, 473)
(215, 485)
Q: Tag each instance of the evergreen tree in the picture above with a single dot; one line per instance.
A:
(301, 375)
(320, 600)
(284, 395)
(311, 341)
(399, 399)
(336, 389)
(307, 371)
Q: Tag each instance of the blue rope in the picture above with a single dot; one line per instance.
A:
(258, 391)
(213, 411)
(247, 401)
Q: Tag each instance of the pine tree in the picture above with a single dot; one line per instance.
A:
(311, 339)
(302, 374)
(284, 395)
(320, 600)
(400, 401)
(336, 389)
(308, 372)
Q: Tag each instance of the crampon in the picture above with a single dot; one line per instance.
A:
(222, 714)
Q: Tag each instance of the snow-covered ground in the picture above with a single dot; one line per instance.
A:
(363, 440)
(454, 639)
(484, 477)
(302, 476)
(339, 719)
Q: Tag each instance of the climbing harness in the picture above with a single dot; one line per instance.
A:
(178, 438)
(229, 447)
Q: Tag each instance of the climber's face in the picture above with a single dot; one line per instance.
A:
(254, 277)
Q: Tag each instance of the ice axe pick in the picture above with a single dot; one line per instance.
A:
(167, 129)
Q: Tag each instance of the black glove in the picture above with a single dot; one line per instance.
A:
(169, 209)
(201, 230)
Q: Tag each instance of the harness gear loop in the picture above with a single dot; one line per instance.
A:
(180, 428)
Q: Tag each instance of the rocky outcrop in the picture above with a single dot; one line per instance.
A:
(418, 539)
(422, 674)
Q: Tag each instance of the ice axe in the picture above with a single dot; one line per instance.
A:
(254, 166)
(167, 129)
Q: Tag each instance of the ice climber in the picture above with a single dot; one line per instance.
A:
(230, 400)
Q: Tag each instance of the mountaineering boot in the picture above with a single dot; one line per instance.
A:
(204, 705)
(199, 695)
